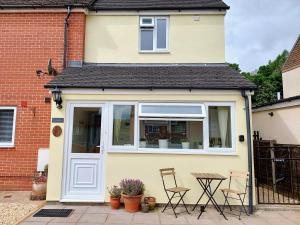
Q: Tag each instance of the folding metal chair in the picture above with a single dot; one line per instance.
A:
(171, 192)
(238, 195)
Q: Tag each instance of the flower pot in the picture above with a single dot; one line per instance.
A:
(142, 144)
(151, 201)
(185, 145)
(115, 203)
(39, 189)
(132, 203)
(163, 143)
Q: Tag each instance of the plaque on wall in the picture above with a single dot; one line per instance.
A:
(56, 131)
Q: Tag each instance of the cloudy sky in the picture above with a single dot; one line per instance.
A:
(258, 30)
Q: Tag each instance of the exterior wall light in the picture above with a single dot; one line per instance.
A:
(56, 95)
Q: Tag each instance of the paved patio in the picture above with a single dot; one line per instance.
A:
(100, 215)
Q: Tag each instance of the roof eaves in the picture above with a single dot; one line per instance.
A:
(284, 67)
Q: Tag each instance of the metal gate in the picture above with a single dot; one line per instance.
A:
(277, 172)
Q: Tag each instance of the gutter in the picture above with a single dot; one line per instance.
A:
(66, 24)
(249, 145)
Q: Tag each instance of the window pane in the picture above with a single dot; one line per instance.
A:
(6, 125)
(86, 130)
(147, 20)
(219, 127)
(123, 125)
(172, 109)
(171, 134)
(147, 39)
(162, 33)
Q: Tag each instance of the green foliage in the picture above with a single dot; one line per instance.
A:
(268, 79)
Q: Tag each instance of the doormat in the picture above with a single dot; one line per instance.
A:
(53, 213)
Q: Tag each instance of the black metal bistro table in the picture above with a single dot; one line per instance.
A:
(205, 180)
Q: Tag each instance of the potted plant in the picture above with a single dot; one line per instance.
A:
(132, 192)
(185, 143)
(163, 141)
(151, 201)
(115, 196)
(143, 143)
(39, 186)
(200, 145)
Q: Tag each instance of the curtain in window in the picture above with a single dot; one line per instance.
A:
(223, 113)
(6, 125)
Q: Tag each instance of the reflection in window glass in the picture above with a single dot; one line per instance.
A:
(171, 134)
(86, 130)
(219, 127)
(123, 125)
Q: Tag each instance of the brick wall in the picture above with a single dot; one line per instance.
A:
(27, 41)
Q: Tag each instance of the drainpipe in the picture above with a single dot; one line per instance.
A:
(249, 145)
(66, 24)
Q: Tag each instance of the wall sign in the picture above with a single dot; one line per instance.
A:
(56, 131)
(57, 120)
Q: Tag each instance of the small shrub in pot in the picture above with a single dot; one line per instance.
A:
(115, 195)
(132, 192)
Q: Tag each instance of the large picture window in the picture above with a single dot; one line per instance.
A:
(7, 126)
(173, 127)
(171, 134)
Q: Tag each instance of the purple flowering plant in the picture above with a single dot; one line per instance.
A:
(132, 187)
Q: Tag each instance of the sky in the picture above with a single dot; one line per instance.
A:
(257, 31)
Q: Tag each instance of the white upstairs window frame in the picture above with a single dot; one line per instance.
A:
(12, 142)
(153, 27)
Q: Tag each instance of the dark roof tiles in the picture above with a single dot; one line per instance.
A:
(143, 76)
(158, 4)
(117, 4)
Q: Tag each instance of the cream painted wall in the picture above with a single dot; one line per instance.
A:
(284, 126)
(146, 166)
(291, 83)
(115, 39)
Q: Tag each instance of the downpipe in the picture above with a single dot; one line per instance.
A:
(66, 25)
(249, 145)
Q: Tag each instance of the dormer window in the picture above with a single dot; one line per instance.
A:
(154, 34)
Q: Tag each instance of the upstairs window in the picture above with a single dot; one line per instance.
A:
(153, 34)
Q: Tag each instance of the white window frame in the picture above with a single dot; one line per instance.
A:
(206, 149)
(233, 129)
(203, 115)
(155, 49)
(125, 148)
(12, 143)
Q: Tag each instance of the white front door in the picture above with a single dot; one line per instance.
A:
(83, 179)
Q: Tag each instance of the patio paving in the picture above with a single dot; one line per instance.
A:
(101, 215)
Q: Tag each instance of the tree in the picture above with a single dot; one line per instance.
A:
(268, 79)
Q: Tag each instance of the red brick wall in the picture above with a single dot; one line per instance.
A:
(27, 41)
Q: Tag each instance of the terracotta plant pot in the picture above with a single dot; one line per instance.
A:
(132, 203)
(39, 188)
(151, 201)
(115, 203)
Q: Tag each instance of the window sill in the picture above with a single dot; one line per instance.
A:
(155, 52)
(177, 152)
(7, 146)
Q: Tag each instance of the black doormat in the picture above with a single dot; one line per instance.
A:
(53, 213)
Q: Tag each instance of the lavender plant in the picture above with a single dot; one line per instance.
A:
(132, 187)
(115, 191)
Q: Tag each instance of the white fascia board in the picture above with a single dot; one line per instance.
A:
(81, 91)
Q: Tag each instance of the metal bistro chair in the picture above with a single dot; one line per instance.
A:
(171, 192)
(238, 195)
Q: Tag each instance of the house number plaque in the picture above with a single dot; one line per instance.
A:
(56, 131)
